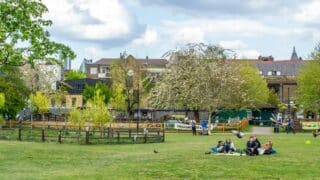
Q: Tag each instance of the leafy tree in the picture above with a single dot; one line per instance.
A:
(253, 89)
(105, 91)
(200, 77)
(118, 99)
(308, 80)
(136, 87)
(41, 101)
(273, 98)
(14, 89)
(97, 110)
(76, 118)
(193, 79)
(2, 100)
(282, 108)
(23, 34)
(70, 75)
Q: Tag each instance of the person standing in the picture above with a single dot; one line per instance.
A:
(194, 130)
(291, 126)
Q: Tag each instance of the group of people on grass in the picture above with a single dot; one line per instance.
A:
(253, 147)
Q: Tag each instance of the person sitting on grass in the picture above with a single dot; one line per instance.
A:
(257, 141)
(266, 148)
(252, 147)
(228, 146)
(217, 149)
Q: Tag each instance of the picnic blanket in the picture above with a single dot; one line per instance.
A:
(229, 154)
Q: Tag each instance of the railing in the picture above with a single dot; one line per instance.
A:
(80, 135)
(219, 127)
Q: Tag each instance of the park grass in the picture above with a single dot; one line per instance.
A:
(180, 157)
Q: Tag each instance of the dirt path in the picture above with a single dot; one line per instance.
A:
(262, 130)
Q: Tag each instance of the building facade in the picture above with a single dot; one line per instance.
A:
(102, 68)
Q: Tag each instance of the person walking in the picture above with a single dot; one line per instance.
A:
(194, 130)
(291, 126)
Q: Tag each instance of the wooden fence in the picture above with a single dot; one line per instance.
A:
(80, 135)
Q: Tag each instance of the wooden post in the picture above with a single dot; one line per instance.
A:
(163, 132)
(108, 132)
(19, 134)
(87, 136)
(42, 135)
(223, 127)
(59, 137)
(118, 136)
(145, 138)
(129, 133)
(158, 132)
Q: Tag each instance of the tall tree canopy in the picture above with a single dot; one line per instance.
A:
(23, 34)
(14, 89)
(2, 100)
(70, 75)
(201, 77)
(308, 80)
(104, 90)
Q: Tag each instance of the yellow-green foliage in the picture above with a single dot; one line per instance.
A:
(41, 101)
(308, 92)
(2, 121)
(2, 100)
(118, 99)
(97, 112)
(282, 107)
(254, 88)
(75, 117)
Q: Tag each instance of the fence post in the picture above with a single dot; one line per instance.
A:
(223, 127)
(163, 132)
(42, 135)
(129, 133)
(19, 133)
(118, 136)
(87, 136)
(59, 137)
(145, 137)
(158, 132)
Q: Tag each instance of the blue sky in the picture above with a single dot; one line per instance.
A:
(104, 28)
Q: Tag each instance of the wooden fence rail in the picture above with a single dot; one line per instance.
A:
(82, 135)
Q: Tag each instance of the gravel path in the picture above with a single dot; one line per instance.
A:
(262, 130)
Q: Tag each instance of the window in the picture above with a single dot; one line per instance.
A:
(105, 69)
(274, 73)
(93, 70)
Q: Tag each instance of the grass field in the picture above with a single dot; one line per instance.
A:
(181, 156)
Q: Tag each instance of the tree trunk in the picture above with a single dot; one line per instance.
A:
(196, 115)
(42, 116)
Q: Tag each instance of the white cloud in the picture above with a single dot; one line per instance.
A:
(248, 53)
(241, 48)
(309, 12)
(237, 44)
(197, 30)
(147, 39)
(95, 53)
(89, 19)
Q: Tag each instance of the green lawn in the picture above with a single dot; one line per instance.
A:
(181, 156)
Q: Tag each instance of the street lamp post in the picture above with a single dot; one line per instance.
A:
(130, 74)
(289, 105)
(128, 84)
